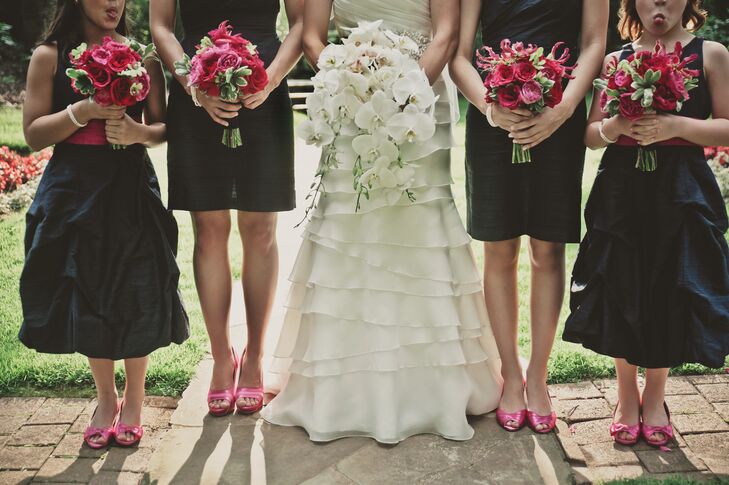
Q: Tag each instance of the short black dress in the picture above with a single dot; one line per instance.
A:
(203, 173)
(540, 199)
(100, 276)
(651, 281)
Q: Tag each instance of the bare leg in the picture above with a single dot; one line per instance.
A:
(106, 395)
(136, 370)
(654, 394)
(260, 275)
(628, 410)
(500, 288)
(548, 279)
(213, 282)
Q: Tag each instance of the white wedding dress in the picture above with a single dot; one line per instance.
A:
(386, 333)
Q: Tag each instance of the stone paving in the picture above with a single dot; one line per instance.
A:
(699, 410)
(41, 440)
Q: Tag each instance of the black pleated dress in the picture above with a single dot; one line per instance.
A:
(651, 281)
(540, 199)
(100, 276)
(206, 175)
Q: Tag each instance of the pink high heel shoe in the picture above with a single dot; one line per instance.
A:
(617, 428)
(534, 419)
(121, 429)
(647, 431)
(224, 395)
(106, 433)
(502, 417)
(249, 393)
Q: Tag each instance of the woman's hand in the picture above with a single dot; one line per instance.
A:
(219, 110)
(89, 110)
(531, 132)
(653, 128)
(123, 131)
(253, 101)
(506, 118)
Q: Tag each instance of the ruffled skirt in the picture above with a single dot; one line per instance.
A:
(386, 333)
(100, 276)
(651, 281)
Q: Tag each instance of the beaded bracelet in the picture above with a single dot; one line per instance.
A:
(73, 118)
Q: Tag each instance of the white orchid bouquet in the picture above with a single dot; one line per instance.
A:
(371, 100)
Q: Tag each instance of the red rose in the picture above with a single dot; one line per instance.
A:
(557, 67)
(121, 59)
(525, 71)
(503, 74)
(663, 99)
(99, 75)
(674, 81)
(604, 99)
(257, 80)
(103, 97)
(100, 55)
(554, 95)
(531, 92)
(508, 96)
(144, 90)
(629, 108)
(228, 60)
(622, 79)
(550, 73)
(120, 91)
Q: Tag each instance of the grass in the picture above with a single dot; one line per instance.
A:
(25, 372)
(11, 129)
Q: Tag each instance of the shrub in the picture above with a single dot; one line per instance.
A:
(16, 170)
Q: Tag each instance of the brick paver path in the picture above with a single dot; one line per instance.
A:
(699, 410)
(41, 440)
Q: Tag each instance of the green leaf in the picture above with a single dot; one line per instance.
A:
(76, 53)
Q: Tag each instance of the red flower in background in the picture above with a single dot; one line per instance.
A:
(16, 170)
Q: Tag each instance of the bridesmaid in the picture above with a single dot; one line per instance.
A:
(540, 199)
(209, 180)
(100, 276)
(650, 286)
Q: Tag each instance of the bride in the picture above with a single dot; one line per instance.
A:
(386, 333)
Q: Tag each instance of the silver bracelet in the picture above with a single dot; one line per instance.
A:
(193, 95)
(603, 135)
(491, 121)
(73, 118)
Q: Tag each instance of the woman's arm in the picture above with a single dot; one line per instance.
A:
(316, 28)
(612, 127)
(162, 27)
(444, 16)
(152, 131)
(593, 35)
(287, 56)
(711, 132)
(466, 76)
(462, 71)
(41, 127)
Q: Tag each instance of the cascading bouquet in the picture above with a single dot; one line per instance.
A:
(111, 73)
(522, 77)
(371, 102)
(228, 66)
(647, 82)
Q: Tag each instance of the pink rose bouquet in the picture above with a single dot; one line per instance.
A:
(225, 65)
(647, 82)
(523, 77)
(111, 73)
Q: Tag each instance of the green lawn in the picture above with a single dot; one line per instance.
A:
(24, 372)
(11, 131)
